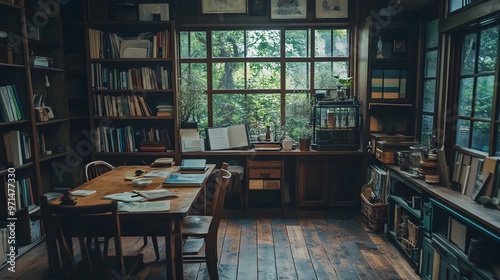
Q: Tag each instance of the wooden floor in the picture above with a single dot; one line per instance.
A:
(268, 244)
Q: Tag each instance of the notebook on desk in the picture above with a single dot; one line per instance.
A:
(184, 180)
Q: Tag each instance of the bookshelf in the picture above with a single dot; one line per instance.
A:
(387, 73)
(34, 137)
(131, 83)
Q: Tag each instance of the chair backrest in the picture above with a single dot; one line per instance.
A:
(218, 200)
(96, 168)
(62, 222)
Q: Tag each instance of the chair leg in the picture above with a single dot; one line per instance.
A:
(106, 247)
(155, 246)
(145, 238)
(211, 259)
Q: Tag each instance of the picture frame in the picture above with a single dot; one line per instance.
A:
(224, 7)
(288, 9)
(330, 9)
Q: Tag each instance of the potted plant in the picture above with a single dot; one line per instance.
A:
(305, 134)
(344, 84)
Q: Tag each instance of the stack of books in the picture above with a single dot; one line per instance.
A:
(266, 146)
(190, 166)
(163, 162)
(152, 146)
(40, 61)
(165, 110)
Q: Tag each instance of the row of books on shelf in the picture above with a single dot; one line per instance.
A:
(475, 177)
(388, 84)
(11, 109)
(144, 78)
(105, 44)
(106, 105)
(22, 193)
(130, 139)
(17, 148)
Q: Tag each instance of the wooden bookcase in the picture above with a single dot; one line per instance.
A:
(125, 86)
(30, 166)
(388, 76)
(73, 16)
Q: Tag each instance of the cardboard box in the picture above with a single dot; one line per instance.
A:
(272, 184)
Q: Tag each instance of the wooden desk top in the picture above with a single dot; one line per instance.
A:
(114, 182)
(252, 152)
(456, 200)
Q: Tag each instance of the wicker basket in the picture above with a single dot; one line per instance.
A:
(374, 214)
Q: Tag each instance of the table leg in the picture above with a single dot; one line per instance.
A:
(169, 250)
(179, 270)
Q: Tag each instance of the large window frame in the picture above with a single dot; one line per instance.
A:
(286, 95)
(466, 116)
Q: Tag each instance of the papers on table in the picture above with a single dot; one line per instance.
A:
(126, 196)
(155, 194)
(163, 205)
(158, 174)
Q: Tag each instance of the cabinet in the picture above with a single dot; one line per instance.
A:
(331, 180)
(266, 176)
(465, 248)
(34, 114)
(131, 82)
(404, 223)
(335, 125)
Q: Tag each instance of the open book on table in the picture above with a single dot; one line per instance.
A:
(230, 137)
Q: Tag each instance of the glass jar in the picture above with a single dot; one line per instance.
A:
(414, 158)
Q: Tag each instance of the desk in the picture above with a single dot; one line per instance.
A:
(166, 223)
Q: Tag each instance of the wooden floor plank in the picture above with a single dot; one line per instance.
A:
(317, 253)
(300, 253)
(247, 262)
(266, 261)
(284, 261)
(228, 264)
(271, 244)
(329, 237)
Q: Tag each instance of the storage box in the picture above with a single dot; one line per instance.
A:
(385, 157)
(272, 184)
(255, 184)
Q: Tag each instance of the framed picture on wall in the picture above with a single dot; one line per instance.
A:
(223, 6)
(288, 9)
(332, 8)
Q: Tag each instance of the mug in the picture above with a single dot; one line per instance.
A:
(287, 144)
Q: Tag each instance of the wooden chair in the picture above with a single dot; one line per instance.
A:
(97, 168)
(62, 222)
(206, 226)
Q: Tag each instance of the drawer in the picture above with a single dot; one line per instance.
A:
(263, 173)
(264, 164)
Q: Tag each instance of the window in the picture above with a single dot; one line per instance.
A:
(258, 76)
(429, 84)
(476, 122)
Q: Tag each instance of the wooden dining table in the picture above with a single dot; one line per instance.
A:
(160, 223)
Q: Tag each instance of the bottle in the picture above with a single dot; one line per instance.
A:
(380, 51)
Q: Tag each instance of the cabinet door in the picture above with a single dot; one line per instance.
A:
(312, 181)
(427, 260)
(447, 271)
(346, 183)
